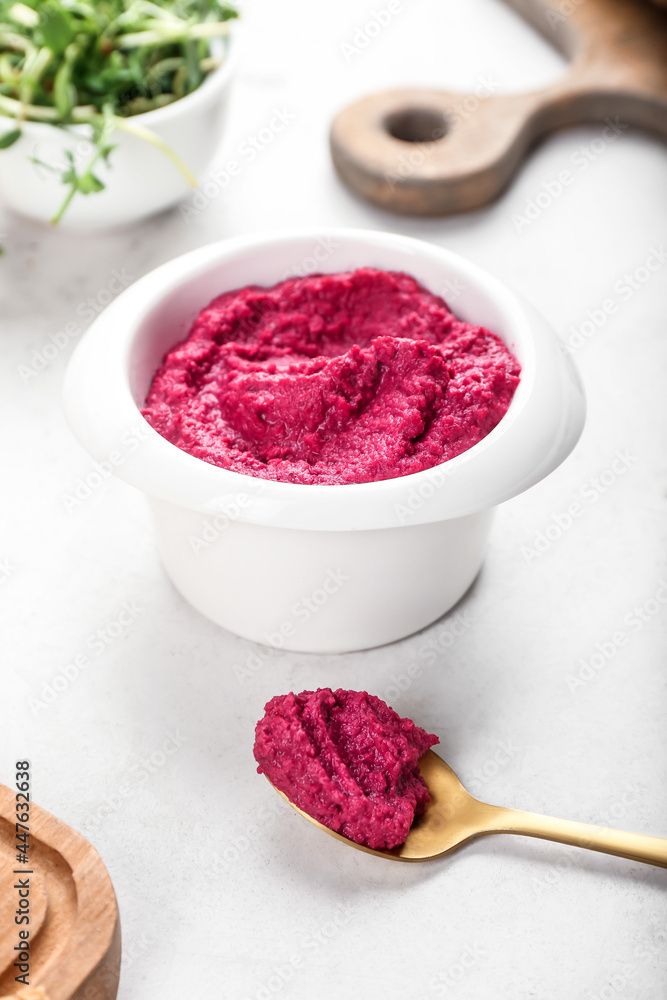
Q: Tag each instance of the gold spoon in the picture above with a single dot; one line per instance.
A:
(453, 817)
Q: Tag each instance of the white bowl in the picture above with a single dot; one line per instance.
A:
(306, 567)
(140, 180)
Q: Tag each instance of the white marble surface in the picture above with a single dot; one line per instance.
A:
(223, 890)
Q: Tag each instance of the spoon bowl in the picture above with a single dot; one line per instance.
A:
(453, 817)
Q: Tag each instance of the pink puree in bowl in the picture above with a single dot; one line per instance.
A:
(336, 378)
(346, 759)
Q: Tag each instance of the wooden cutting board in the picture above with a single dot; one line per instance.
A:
(431, 152)
(74, 925)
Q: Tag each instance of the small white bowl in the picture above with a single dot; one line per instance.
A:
(317, 568)
(140, 179)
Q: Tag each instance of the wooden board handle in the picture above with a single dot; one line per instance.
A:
(431, 152)
(428, 152)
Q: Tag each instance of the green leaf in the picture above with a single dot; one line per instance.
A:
(56, 26)
(9, 138)
(228, 12)
(90, 184)
(106, 151)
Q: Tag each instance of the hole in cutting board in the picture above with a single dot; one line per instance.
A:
(416, 125)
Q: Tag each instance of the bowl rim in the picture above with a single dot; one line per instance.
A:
(540, 427)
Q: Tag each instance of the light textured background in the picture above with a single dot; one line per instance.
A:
(281, 910)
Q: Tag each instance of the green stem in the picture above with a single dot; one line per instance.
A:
(33, 70)
(127, 125)
(61, 211)
(16, 42)
(82, 115)
(37, 113)
(209, 63)
(169, 36)
(159, 13)
(73, 189)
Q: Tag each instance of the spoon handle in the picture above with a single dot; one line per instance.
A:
(634, 846)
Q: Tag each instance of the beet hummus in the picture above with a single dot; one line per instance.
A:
(346, 759)
(335, 378)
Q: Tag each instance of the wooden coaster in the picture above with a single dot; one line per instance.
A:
(431, 152)
(74, 941)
